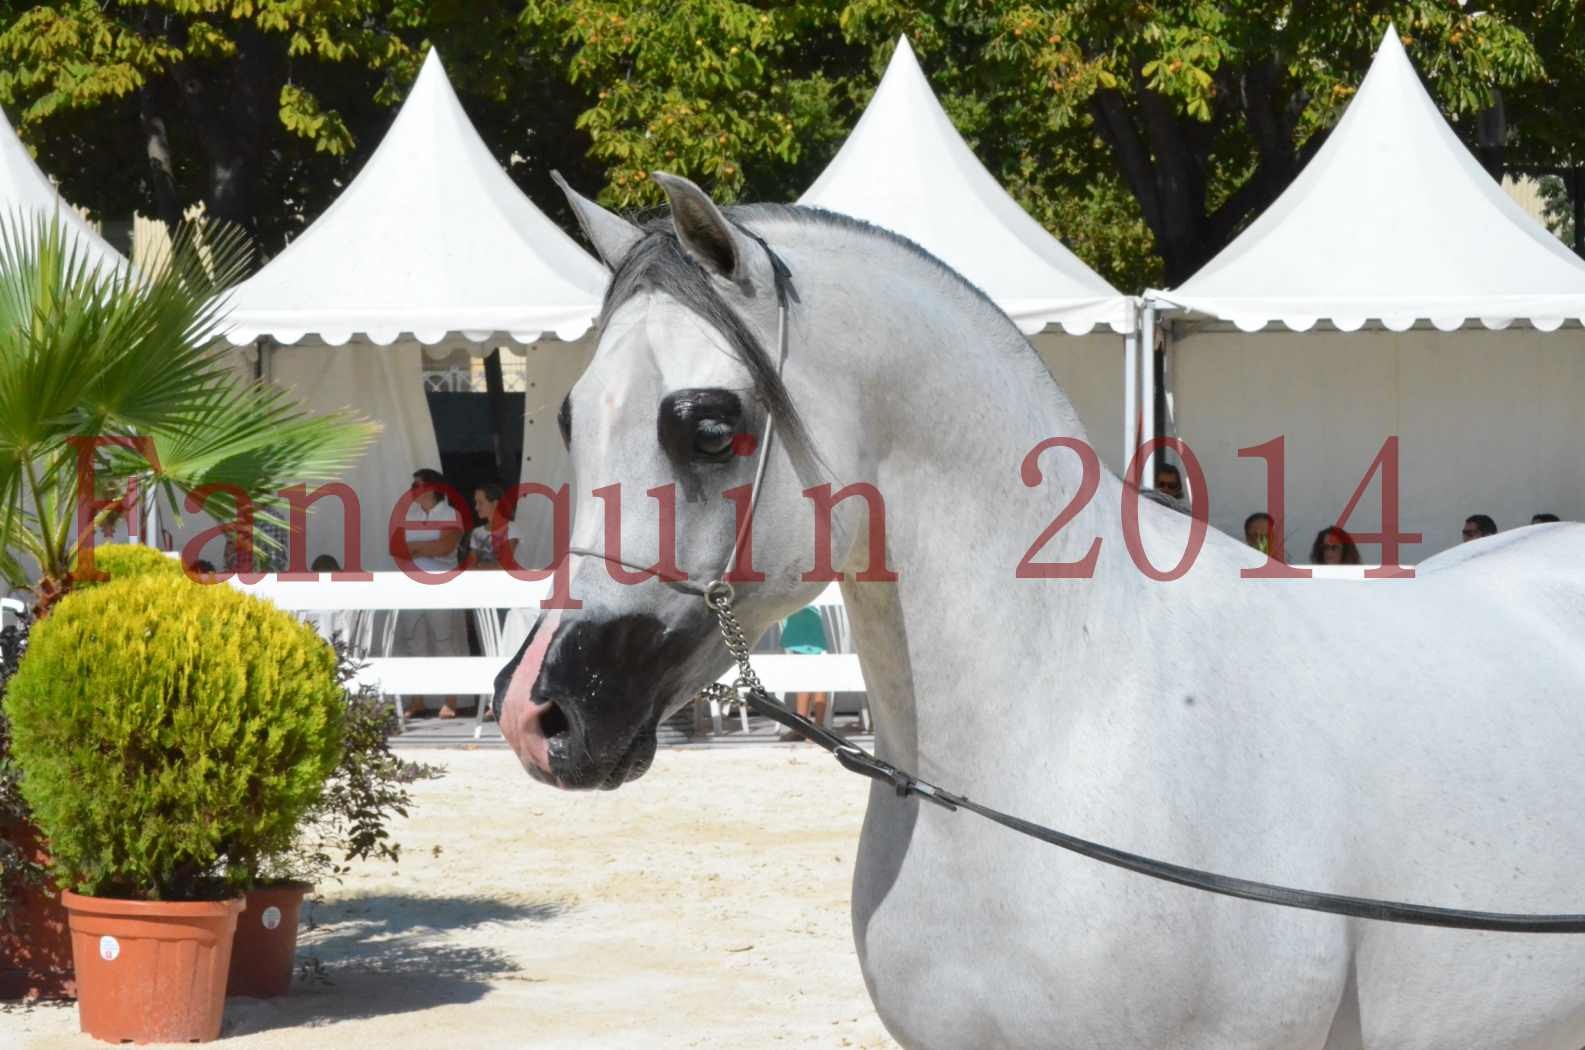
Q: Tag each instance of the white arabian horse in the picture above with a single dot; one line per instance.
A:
(1420, 740)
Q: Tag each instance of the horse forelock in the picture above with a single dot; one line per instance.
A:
(659, 263)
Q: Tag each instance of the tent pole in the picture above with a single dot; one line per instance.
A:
(495, 388)
(1130, 393)
(1577, 198)
(1147, 392)
(149, 508)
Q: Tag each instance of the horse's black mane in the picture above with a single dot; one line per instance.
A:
(659, 263)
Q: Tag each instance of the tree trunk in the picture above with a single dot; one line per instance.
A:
(1164, 154)
(162, 170)
(234, 116)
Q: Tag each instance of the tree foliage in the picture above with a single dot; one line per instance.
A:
(738, 96)
(1145, 134)
(1208, 111)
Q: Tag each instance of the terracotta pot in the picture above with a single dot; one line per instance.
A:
(266, 944)
(35, 943)
(151, 971)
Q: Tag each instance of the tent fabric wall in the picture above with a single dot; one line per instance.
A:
(553, 368)
(1488, 422)
(1089, 369)
(383, 384)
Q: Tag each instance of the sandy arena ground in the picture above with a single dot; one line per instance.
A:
(705, 905)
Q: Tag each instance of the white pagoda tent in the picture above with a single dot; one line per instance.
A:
(1396, 290)
(26, 192)
(905, 168)
(431, 245)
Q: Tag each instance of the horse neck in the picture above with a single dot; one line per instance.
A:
(944, 445)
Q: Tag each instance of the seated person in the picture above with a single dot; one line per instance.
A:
(1257, 531)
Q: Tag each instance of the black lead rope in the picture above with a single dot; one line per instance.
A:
(855, 758)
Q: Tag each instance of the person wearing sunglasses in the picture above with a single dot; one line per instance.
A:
(1333, 546)
(1479, 526)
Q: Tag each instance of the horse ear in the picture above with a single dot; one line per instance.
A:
(705, 233)
(611, 235)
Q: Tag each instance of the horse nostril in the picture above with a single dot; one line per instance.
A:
(553, 721)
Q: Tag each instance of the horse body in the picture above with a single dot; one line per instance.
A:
(1409, 740)
(1247, 729)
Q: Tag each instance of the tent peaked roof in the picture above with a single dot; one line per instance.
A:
(26, 192)
(433, 239)
(905, 168)
(1392, 220)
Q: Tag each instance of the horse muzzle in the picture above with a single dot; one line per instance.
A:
(582, 699)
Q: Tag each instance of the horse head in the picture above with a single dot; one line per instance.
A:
(665, 431)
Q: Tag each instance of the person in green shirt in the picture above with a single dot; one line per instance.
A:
(803, 632)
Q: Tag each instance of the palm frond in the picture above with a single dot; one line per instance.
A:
(88, 351)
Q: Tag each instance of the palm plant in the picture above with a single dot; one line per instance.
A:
(89, 353)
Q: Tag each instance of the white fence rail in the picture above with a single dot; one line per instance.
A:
(484, 589)
(464, 675)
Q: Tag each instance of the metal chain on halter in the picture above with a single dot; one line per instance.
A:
(718, 596)
(747, 689)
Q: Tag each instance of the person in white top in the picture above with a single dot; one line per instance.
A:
(492, 543)
(432, 632)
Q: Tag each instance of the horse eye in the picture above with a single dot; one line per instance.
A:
(696, 426)
(712, 438)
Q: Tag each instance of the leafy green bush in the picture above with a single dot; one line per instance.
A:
(122, 560)
(168, 733)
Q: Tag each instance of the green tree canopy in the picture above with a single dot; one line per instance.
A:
(1144, 134)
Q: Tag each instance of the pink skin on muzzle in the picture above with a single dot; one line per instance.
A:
(520, 715)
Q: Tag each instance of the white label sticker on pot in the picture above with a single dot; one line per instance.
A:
(271, 917)
(109, 948)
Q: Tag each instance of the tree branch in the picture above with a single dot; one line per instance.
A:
(1116, 126)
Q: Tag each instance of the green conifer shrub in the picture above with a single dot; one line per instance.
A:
(121, 560)
(169, 735)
